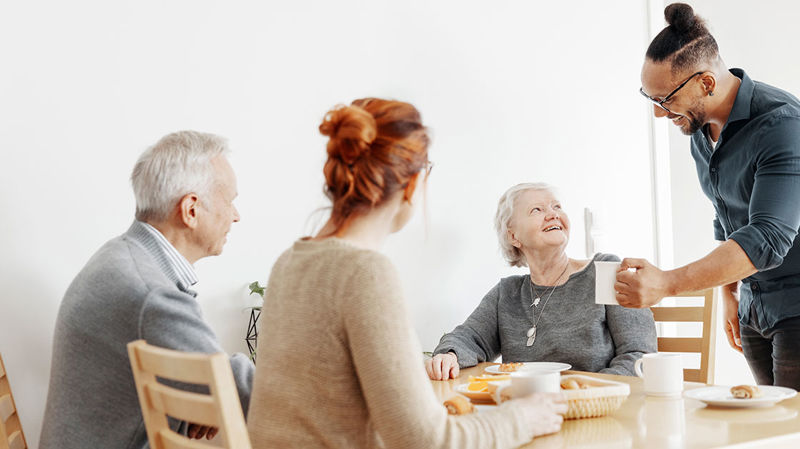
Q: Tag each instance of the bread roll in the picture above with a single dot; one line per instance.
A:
(570, 384)
(746, 392)
(459, 405)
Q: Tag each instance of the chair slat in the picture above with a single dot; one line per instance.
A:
(191, 368)
(692, 375)
(666, 344)
(6, 407)
(193, 407)
(171, 440)
(220, 408)
(704, 345)
(15, 441)
(678, 314)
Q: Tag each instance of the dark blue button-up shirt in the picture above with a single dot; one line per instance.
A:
(753, 180)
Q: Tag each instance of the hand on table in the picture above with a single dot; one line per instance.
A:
(544, 411)
(641, 288)
(197, 431)
(442, 366)
(730, 316)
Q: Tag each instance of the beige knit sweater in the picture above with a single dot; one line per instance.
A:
(339, 364)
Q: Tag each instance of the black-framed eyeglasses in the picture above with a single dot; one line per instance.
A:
(660, 103)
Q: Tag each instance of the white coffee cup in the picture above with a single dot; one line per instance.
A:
(524, 383)
(662, 373)
(605, 276)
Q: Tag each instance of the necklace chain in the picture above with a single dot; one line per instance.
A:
(532, 331)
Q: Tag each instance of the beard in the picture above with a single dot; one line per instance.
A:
(696, 118)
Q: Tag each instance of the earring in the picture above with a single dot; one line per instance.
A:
(710, 93)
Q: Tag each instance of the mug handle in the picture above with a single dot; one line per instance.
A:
(637, 367)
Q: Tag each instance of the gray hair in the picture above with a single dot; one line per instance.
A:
(178, 164)
(502, 218)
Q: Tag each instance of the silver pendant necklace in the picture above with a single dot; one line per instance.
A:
(535, 302)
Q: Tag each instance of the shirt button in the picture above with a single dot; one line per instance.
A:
(713, 169)
(754, 287)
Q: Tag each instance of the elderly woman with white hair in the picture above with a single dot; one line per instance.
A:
(549, 315)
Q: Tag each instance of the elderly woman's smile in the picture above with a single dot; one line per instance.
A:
(538, 221)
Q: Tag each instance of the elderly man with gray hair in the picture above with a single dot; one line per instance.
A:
(138, 286)
(550, 314)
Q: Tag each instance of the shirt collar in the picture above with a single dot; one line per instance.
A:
(169, 259)
(744, 97)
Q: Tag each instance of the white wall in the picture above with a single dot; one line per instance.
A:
(514, 91)
(760, 41)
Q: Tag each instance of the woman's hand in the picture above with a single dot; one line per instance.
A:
(442, 366)
(730, 317)
(543, 412)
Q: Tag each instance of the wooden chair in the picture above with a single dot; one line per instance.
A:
(221, 408)
(11, 436)
(703, 345)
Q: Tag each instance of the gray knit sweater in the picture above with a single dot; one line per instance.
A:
(124, 293)
(572, 329)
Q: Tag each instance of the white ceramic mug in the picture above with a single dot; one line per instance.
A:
(662, 373)
(605, 276)
(524, 383)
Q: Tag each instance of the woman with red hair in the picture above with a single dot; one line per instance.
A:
(339, 364)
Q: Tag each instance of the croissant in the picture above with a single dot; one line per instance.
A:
(510, 367)
(746, 392)
(459, 405)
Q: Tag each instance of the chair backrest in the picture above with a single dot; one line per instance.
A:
(703, 345)
(11, 436)
(220, 408)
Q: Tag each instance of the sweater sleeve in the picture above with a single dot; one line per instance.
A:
(634, 334)
(172, 319)
(478, 339)
(388, 362)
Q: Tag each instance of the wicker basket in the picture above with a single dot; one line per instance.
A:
(602, 398)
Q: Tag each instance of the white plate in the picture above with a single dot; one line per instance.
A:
(720, 396)
(482, 396)
(532, 366)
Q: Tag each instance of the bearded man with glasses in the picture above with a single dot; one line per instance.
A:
(745, 140)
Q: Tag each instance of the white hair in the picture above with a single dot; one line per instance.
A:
(505, 210)
(178, 164)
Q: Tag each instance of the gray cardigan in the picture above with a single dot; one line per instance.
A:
(572, 329)
(121, 295)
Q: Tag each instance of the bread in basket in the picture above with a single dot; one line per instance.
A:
(598, 397)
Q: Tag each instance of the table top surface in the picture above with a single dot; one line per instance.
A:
(650, 422)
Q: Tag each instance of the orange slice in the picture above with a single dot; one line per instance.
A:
(478, 386)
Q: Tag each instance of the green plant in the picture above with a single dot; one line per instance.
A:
(257, 289)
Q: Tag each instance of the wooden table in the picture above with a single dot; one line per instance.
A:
(653, 423)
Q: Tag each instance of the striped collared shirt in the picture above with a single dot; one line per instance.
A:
(172, 262)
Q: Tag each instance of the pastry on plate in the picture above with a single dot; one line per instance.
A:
(509, 367)
(459, 405)
(746, 392)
